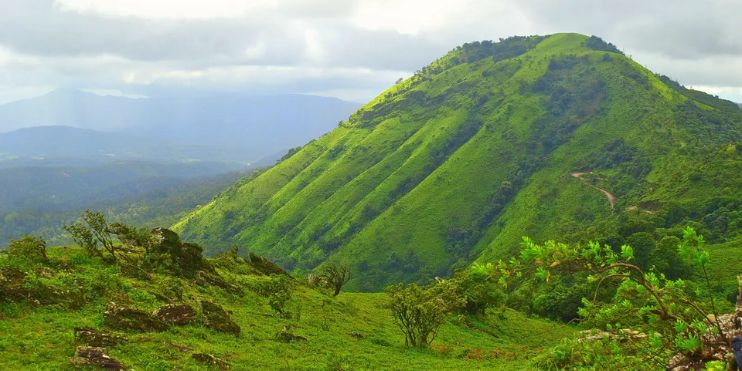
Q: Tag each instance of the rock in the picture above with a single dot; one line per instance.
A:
(125, 318)
(286, 336)
(357, 335)
(44, 272)
(11, 284)
(716, 344)
(621, 335)
(176, 314)
(264, 265)
(95, 357)
(206, 278)
(210, 360)
(95, 338)
(217, 318)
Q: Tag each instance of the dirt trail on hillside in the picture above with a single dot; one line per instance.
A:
(611, 198)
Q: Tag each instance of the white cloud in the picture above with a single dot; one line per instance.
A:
(733, 93)
(173, 9)
(353, 48)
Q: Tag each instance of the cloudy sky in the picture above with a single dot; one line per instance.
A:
(351, 49)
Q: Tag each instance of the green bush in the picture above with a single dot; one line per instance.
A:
(471, 291)
(418, 313)
(278, 289)
(333, 277)
(28, 250)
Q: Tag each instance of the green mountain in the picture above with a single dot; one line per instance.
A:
(555, 136)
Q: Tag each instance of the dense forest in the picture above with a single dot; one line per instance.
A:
(40, 200)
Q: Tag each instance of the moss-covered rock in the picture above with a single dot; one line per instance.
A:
(176, 314)
(286, 336)
(11, 284)
(217, 318)
(125, 318)
(92, 337)
(211, 361)
(86, 356)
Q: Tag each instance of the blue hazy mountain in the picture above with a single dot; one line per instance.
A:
(209, 126)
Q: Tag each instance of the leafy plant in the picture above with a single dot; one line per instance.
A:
(93, 234)
(278, 289)
(670, 311)
(418, 313)
(28, 250)
(334, 276)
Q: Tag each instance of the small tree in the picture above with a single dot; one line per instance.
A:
(334, 276)
(417, 312)
(94, 230)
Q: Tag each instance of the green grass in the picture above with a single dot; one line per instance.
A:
(41, 337)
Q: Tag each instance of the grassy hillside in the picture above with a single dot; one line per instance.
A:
(352, 331)
(560, 135)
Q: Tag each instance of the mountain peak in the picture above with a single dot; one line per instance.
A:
(476, 150)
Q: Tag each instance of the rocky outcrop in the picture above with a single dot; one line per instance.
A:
(716, 345)
(95, 338)
(175, 314)
(265, 266)
(286, 336)
(87, 356)
(209, 278)
(217, 318)
(11, 284)
(211, 361)
(125, 318)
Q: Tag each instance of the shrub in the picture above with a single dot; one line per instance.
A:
(278, 290)
(472, 290)
(92, 231)
(28, 250)
(673, 313)
(169, 253)
(417, 312)
(334, 276)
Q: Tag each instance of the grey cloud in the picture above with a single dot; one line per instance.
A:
(36, 27)
(694, 42)
(679, 28)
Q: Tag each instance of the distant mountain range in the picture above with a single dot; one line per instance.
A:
(69, 150)
(65, 145)
(183, 125)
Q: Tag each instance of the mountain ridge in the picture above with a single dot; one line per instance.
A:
(456, 163)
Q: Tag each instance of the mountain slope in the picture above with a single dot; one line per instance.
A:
(351, 331)
(476, 150)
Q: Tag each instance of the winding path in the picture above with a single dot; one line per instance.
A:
(611, 198)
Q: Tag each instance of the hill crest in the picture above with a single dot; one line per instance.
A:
(474, 151)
